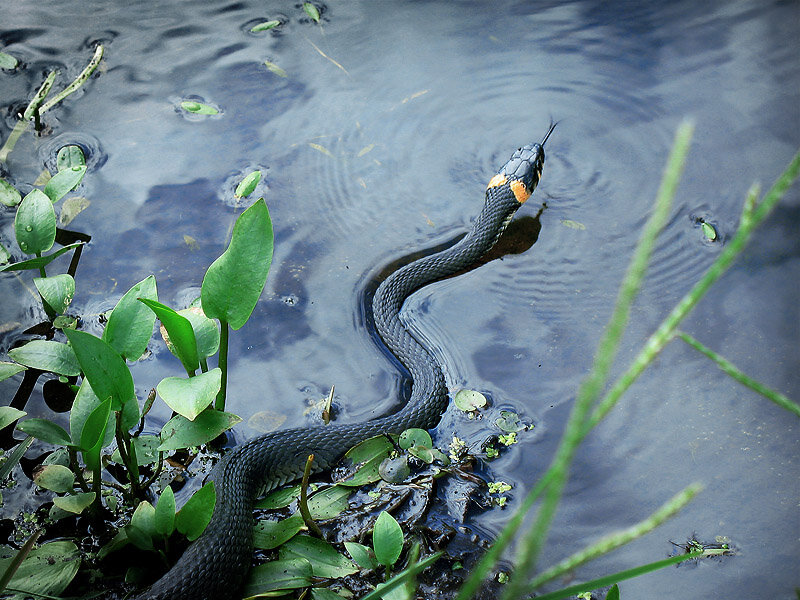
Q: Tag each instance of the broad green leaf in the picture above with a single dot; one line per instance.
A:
(146, 448)
(75, 503)
(45, 430)
(139, 538)
(422, 453)
(325, 560)
(86, 401)
(190, 396)
(70, 156)
(275, 575)
(35, 223)
(206, 331)
(180, 340)
(130, 325)
(320, 593)
(328, 503)
(280, 498)
(198, 108)
(271, 534)
(415, 437)
(180, 432)
(367, 458)
(143, 526)
(312, 11)
(613, 593)
(7, 370)
(234, 282)
(196, 514)
(362, 554)
(275, 68)
(387, 539)
(71, 208)
(469, 400)
(40, 261)
(105, 369)
(709, 232)
(56, 478)
(64, 182)
(47, 356)
(9, 414)
(9, 194)
(93, 434)
(164, 517)
(47, 571)
(7, 61)
(264, 26)
(248, 184)
(57, 290)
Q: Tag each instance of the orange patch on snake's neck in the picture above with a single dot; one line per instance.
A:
(497, 181)
(521, 193)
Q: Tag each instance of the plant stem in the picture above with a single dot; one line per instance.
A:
(77, 82)
(22, 124)
(222, 363)
(731, 369)
(302, 502)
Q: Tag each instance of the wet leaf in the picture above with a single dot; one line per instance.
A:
(56, 478)
(47, 571)
(45, 430)
(70, 156)
(180, 339)
(103, 367)
(7, 61)
(325, 560)
(469, 400)
(363, 555)
(75, 503)
(264, 26)
(387, 539)
(234, 282)
(275, 68)
(198, 108)
(509, 422)
(64, 182)
(130, 324)
(280, 498)
(329, 503)
(7, 370)
(190, 396)
(394, 470)
(266, 421)
(35, 223)
(9, 194)
(312, 11)
(57, 290)
(48, 356)
(284, 574)
(415, 437)
(366, 458)
(196, 514)
(573, 224)
(248, 184)
(422, 453)
(180, 432)
(271, 534)
(709, 232)
(164, 515)
(71, 208)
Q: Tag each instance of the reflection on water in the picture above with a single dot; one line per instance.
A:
(379, 141)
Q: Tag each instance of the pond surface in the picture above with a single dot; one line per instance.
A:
(378, 143)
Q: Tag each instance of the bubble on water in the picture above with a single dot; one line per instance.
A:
(28, 228)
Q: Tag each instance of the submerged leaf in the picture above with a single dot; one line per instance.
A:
(275, 68)
(7, 61)
(9, 194)
(264, 26)
(71, 208)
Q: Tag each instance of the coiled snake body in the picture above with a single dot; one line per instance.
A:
(215, 566)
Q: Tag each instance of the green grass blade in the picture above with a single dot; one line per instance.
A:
(731, 369)
(401, 577)
(617, 577)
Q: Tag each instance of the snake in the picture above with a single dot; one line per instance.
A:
(215, 565)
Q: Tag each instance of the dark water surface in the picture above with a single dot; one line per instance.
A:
(413, 106)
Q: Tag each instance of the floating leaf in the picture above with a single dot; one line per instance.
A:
(57, 290)
(130, 324)
(329, 503)
(394, 470)
(234, 282)
(48, 356)
(75, 503)
(573, 224)
(469, 400)
(312, 11)
(190, 396)
(387, 539)
(415, 437)
(103, 367)
(198, 108)
(71, 208)
(56, 478)
(285, 574)
(264, 26)
(248, 184)
(275, 68)
(325, 560)
(70, 156)
(195, 515)
(509, 422)
(64, 182)
(35, 223)
(271, 534)
(45, 430)
(180, 432)
(7, 370)
(9, 414)
(9, 194)
(709, 231)
(7, 61)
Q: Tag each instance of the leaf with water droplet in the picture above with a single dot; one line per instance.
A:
(70, 156)
(265, 26)
(35, 223)
(63, 182)
(198, 108)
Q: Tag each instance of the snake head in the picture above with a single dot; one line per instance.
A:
(523, 170)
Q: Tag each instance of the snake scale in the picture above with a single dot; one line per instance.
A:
(215, 566)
